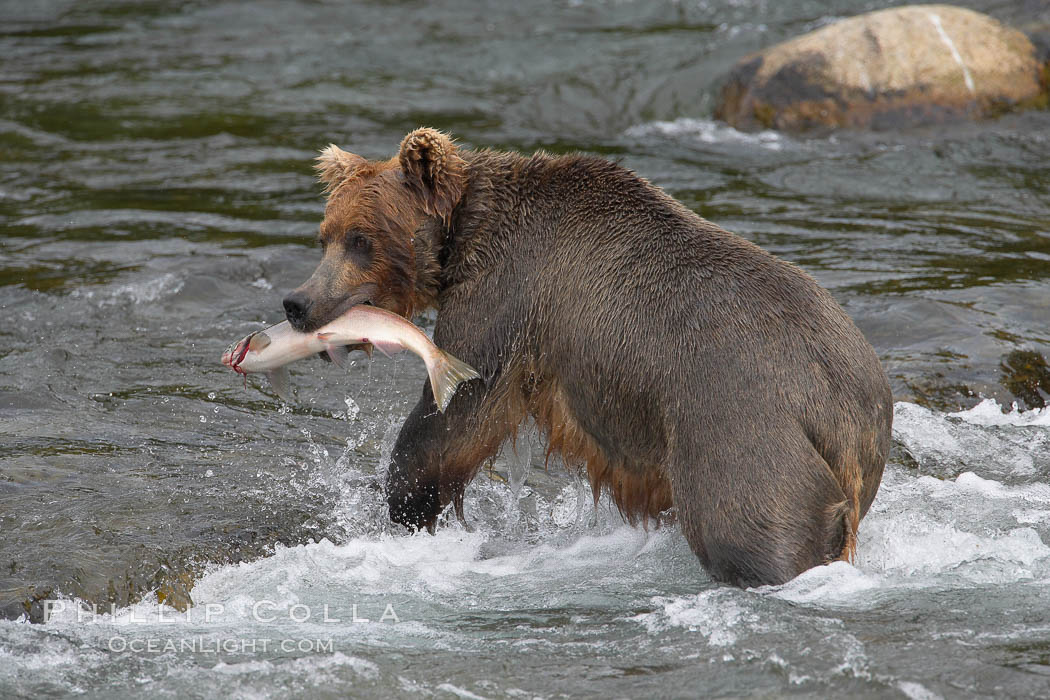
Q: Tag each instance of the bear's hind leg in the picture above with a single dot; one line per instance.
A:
(760, 514)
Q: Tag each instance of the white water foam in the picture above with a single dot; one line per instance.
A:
(982, 439)
(989, 412)
(717, 615)
(708, 131)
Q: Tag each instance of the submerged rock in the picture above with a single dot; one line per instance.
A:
(899, 67)
(1027, 375)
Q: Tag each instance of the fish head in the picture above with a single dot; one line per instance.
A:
(235, 354)
(375, 211)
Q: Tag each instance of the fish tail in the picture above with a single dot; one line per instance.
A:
(446, 374)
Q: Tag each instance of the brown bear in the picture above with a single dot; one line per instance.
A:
(678, 363)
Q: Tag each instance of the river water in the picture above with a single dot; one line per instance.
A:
(157, 201)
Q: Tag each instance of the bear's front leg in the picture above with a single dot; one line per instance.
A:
(437, 455)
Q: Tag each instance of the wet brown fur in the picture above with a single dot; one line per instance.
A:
(675, 363)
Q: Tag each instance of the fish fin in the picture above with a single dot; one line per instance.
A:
(259, 341)
(445, 377)
(280, 379)
(338, 353)
(387, 349)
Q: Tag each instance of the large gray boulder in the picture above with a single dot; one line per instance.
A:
(904, 66)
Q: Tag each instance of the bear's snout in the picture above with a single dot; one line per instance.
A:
(296, 309)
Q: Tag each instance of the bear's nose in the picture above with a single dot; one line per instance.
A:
(296, 307)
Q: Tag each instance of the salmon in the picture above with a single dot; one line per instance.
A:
(271, 350)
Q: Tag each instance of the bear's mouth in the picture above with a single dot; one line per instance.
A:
(362, 296)
(327, 310)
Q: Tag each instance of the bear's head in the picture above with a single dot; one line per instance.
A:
(378, 231)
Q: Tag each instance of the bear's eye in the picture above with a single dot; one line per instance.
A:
(359, 247)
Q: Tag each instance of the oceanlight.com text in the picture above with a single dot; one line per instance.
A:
(210, 645)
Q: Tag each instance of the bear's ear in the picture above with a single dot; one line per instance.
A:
(334, 165)
(434, 170)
